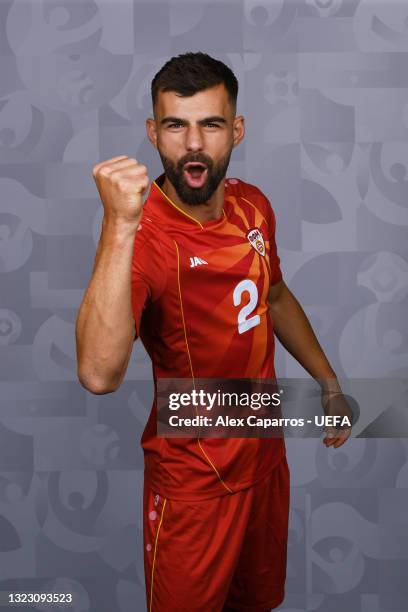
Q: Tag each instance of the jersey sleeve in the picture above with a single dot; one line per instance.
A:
(276, 272)
(148, 275)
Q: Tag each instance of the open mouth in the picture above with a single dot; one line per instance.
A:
(195, 174)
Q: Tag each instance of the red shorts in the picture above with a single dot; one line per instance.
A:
(220, 554)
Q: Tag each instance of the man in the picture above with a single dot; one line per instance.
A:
(195, 273)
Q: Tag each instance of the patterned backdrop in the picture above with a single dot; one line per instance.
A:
(324, 88)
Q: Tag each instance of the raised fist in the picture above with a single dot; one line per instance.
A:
(121, 182)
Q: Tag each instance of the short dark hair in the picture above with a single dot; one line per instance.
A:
(189, 73)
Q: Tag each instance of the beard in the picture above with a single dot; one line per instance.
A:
(195, 195)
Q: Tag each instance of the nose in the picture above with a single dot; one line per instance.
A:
(194, 141)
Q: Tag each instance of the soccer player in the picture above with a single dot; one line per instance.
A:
(194, 272)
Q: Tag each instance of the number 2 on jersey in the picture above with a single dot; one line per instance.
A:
(245, 322)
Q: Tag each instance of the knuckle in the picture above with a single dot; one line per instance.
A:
(142, 182)
(104, 171)
(116, 178)
(121, 184)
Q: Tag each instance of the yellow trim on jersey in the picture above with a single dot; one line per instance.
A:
(180, 209)
(191, 365)
(213, 466)
(175, 206)
(154, 555)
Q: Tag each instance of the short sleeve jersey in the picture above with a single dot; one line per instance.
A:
(199, 300)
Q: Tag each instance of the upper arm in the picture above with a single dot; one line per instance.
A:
(277, 283)
(274, 259)
(275, 291)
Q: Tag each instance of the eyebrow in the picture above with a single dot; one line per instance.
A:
(213, 119)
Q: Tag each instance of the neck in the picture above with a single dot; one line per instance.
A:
(209, 211)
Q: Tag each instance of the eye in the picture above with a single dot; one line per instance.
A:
(209, 124)
(175, 125)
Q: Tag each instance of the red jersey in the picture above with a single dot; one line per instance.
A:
(199, 299)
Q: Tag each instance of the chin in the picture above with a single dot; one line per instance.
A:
(193, 200)
(194, 197)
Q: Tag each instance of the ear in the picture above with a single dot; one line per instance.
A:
(151, 131)
(238, 129)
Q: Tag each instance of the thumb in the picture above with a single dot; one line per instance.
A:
(331, 434)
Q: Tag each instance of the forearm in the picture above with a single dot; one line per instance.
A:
(105, 326)
(295, 333)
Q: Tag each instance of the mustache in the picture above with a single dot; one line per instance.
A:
(195, 157)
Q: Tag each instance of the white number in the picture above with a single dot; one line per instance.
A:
(244, 324)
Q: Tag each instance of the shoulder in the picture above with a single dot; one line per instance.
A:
(251, 193)
(149, 233)
(147, 246)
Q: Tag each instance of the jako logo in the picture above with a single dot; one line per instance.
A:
(197, 261)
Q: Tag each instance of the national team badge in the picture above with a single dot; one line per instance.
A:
(257, 242)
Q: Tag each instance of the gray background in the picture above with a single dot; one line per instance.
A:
(324, 88)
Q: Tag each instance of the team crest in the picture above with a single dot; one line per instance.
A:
(257, 242)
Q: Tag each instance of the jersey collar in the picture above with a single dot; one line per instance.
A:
(160, 205)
